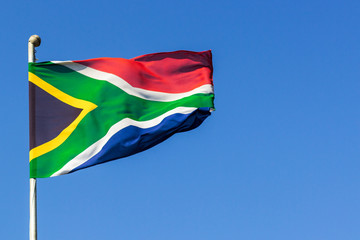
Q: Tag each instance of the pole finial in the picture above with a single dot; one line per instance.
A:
(35, 40)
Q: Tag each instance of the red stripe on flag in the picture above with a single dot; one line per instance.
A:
(170, 72)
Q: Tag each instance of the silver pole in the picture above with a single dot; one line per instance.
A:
(34, 41)
(33, 217)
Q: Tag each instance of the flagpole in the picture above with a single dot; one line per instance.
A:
(34, 41)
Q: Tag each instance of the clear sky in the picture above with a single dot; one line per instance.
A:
(278, 159)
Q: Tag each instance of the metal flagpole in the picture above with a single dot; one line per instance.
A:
(34, 41)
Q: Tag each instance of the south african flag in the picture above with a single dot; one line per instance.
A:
(83, 113)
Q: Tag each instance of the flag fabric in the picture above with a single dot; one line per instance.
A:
(83, 113)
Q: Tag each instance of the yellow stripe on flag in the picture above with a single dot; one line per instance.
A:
(75, 102)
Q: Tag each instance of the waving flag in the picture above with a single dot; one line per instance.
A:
(88, 112)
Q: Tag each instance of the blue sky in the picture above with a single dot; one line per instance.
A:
(278, 159)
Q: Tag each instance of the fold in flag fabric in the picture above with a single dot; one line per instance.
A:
(84, 113)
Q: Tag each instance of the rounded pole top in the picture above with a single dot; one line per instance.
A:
(35, 40)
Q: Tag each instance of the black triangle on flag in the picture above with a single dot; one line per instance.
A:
(49, 116)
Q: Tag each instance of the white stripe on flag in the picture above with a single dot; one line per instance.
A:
(97, 146)
(126, 87)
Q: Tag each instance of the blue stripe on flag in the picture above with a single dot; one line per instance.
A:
(131, 140)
